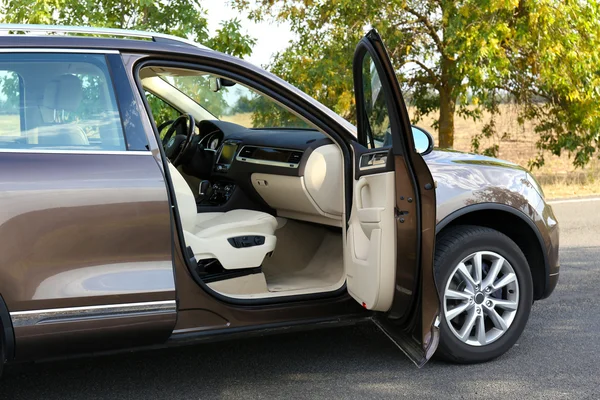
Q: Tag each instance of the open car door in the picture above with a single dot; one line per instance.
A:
(391, 229)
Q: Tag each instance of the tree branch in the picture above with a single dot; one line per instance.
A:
(424, 67)
(421, 79)
(430, 28)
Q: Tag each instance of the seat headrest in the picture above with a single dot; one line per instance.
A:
(63, 93)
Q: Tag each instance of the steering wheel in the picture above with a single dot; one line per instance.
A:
(176, 146)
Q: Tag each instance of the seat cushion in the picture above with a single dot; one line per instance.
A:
(234, 223)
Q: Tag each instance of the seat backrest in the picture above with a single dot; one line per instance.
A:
(62, 94)
(186, 203)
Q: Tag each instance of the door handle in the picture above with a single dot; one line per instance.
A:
(360, 185)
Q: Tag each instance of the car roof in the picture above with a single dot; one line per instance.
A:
(73, 42)
(39, 36)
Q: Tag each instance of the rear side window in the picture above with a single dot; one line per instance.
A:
(58, 101)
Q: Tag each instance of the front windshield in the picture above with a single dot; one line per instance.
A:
(234, 102)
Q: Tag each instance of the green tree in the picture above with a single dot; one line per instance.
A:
(456, 57)
(185, 18)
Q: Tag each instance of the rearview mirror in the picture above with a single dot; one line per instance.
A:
(226, 82)
(423, 140)
(217, 83)
(214, 84)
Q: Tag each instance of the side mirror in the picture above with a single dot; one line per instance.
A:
(423, 140)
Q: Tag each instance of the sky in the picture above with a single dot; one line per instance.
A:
(270, 37)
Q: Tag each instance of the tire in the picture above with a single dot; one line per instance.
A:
(491, 307)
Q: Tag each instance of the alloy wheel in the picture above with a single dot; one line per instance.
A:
(481, 298)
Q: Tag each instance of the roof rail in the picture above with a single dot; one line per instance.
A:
(89, 30)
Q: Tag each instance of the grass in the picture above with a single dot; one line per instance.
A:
(244, 119)
(9, 125)
(558, 176)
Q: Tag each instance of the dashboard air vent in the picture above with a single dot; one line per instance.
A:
(295, 157)
(247, 151)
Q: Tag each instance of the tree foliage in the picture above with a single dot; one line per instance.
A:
(457, 57)
(185, 18)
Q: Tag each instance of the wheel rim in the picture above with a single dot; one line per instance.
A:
(481, 298)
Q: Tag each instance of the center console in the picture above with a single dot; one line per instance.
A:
(220, 193)
(226, 155)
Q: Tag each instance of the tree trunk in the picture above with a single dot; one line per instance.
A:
(446, 121)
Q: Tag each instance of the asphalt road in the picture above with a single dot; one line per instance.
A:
(558, 355)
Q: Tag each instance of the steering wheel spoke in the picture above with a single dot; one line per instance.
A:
(176, 144)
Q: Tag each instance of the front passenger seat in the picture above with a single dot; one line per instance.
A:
(237, 238)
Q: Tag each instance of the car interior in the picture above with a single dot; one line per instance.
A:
(259, 191)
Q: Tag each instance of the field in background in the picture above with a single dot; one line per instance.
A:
(9, 125)
(558, 177)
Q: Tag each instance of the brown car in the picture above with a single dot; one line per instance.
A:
(155, 192)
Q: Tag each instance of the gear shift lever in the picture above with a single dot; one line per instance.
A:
(205, 190)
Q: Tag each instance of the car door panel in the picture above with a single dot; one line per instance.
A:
(410, 317)
(371, 241)
(84, 237)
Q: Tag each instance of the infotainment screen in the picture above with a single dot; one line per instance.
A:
(227, 153)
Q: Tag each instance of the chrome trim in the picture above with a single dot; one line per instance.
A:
(73, 314)
(57, 50)
(372, 167)
(372, 156)
(266, 162)
(65, 151)
(36, 28)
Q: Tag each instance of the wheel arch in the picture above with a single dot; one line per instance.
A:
(7, 334)
(514, 224)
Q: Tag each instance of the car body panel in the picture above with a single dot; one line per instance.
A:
(466, 180)
(82, 230)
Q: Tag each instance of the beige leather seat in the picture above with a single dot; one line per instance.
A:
(208, 233)
(62, 95)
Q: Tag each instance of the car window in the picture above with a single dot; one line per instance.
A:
(233, 102)
(161, 110)
(375, 107)
(58, 101)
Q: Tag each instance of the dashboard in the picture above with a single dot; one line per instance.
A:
(295, 172)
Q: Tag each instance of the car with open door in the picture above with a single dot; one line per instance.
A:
(155, 192)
